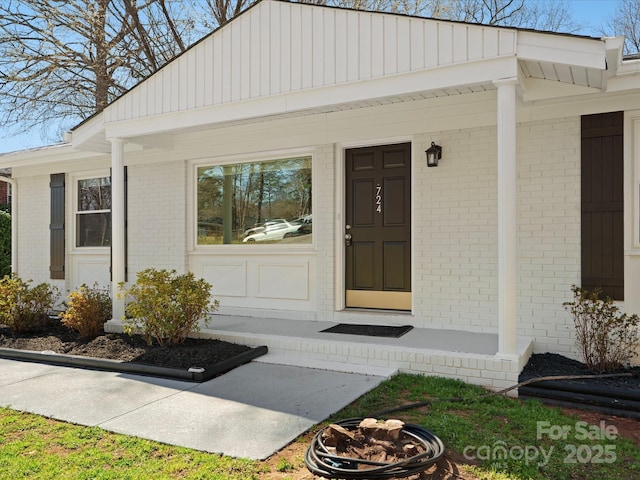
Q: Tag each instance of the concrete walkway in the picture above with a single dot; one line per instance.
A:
(252, 411)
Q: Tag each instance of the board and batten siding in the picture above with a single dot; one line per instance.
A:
(276, 48)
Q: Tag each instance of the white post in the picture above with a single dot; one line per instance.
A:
(117, 225)
(507, 225)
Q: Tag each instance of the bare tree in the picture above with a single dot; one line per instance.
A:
(625, 21)
(217, 13)
(65, 60)
(552, 15)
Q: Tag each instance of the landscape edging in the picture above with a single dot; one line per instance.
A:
(93, 363)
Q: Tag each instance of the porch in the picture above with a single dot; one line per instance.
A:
(468, 356)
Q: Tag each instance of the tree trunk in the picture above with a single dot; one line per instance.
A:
(100, 67)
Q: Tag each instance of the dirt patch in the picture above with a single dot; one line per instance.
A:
(628, 428)
(114, 346)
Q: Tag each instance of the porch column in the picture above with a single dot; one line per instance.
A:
(507, 226)
(117, 224)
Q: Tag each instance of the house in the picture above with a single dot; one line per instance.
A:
(302, 111)
(5, 186)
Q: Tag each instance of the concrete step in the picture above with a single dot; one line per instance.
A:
(311, 361)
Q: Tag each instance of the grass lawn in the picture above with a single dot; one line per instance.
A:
(503, 437)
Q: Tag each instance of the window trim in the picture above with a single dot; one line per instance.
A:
(74, 211)
(256, 248)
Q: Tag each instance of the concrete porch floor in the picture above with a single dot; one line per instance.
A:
(467, 356)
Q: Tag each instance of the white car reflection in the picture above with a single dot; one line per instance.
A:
(260, 228)
(274, 231)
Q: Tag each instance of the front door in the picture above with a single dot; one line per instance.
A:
(378, 227)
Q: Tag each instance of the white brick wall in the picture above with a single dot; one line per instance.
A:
(548, 230)
(455, 221)
(33, 203)
(455, 225)
(324, 209)
(157, 217)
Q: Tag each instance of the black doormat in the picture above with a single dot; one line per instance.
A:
(369, 330)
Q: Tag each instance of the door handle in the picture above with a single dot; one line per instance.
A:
(347, 239)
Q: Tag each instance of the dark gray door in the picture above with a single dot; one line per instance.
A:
(378, 227)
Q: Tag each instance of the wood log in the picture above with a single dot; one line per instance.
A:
(389, 430)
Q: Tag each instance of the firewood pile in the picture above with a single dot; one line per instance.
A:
(382, 442)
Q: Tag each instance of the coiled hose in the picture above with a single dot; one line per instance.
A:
(321, 462)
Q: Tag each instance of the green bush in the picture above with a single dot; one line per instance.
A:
(165, 306)
(606, 338)
(87, 310)
(25, 308)
(5, 243)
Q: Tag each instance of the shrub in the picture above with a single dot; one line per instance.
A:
(87, 310)
(606, 338)
(166, 306)
(24, 308)
(5, 244)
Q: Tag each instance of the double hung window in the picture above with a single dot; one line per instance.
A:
(93, 212)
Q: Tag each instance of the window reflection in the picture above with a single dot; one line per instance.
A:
(260, 202)
(93, 215)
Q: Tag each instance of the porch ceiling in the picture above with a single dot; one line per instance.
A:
(557, 72)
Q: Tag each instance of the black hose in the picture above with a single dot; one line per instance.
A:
(321, 462)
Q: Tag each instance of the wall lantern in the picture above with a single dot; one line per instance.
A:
(434, 153)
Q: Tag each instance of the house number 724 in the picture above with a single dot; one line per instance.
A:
(378, 199)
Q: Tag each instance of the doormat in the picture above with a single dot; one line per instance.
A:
(369, 330)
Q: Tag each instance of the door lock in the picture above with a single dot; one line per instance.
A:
(347, 239)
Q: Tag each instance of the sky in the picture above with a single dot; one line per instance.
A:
(590, 13)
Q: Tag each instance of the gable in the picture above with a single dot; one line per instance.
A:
(281, 59)
(277, 48)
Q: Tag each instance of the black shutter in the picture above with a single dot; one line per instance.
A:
(602, 211)
(126, 224)
(56, 227)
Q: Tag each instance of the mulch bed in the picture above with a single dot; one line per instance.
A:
(614, 395)
(551, 364)
(116, 346)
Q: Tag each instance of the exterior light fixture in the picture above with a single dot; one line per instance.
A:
(434, 153)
